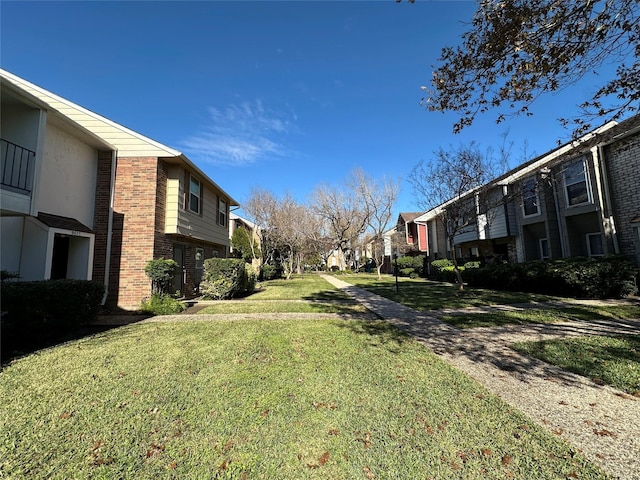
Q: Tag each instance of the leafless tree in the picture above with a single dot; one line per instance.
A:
(378, 198)
(344, 214)
(454, 186)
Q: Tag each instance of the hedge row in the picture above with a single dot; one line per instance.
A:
(608, 277)
(227, 278)
(40, 310)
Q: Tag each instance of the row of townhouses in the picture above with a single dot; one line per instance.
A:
(580, 199)
(83, 197)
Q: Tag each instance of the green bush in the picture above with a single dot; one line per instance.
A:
(225, 278)
(415, 263)
(608, 277)
(162, 304)
(47, 309)
(161, 272)
(441, 263)
(270, 272)
(406, 272)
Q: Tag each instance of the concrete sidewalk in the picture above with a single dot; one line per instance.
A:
(600, 421)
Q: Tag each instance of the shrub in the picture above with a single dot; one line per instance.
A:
(609, 277)
(270, 272)
(406, 272)
(162, 304)
(47, 309)
(416, 263)
(161, 272)
(225, 278)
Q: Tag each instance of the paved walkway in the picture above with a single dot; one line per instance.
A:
(600, 421)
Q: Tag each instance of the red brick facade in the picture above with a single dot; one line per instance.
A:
(134, 222)
(139, 230)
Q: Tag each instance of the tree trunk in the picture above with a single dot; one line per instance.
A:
(455, 265)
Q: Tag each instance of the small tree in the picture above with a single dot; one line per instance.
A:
(245, 244)
(161, 272)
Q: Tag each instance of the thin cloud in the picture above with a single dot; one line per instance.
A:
(239, 135)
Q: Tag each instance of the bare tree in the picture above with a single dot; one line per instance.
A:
(343, 212)
(453, 185)
(378, 198)
(516, 51)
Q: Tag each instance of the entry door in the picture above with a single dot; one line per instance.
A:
(178, 278)
(60, 257)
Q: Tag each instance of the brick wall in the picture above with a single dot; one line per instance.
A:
(622, 161)
(135, 208)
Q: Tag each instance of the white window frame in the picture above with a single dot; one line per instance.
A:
(585, 173)
(197, 196)
(222, 212)
(588, 238)
(541, 249)
(531, 194)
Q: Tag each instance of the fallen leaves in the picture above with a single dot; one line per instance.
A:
(96, 456)
(604, 433)
(155, 449)
(365, 439)
(324, 458)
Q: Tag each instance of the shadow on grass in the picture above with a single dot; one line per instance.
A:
(20, 344)
(422, 294)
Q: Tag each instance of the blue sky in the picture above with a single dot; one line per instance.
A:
(277, 95)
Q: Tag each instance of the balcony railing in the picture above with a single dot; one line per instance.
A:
(17, 166)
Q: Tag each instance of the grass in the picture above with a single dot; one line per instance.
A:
(611, 360)
(423, 294)
(538, 315)
(274, 399)
(276, 306)
(307, 287)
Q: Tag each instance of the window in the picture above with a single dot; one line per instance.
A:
(222, 212)
(530, 197)
(594, 245)
(195, 196)
(575, 184)
(543, 244)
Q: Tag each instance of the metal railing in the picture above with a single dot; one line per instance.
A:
(17, 166)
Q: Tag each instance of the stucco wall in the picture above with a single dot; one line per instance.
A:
(67, 183)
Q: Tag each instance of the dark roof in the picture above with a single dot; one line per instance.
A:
(63, 223)
(407, 217)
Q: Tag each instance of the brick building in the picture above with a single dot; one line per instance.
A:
(580, 199)
(151, 202)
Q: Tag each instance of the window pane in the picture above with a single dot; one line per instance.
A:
(595, 244)
(544, 248)
(194, 203)
(574, 173)
(194, 187)
(577, 193)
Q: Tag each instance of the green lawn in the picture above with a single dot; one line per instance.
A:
(611, 360)
(307, 287)
(276, 306)
(537, 315)
(325, 399)
(423, 294)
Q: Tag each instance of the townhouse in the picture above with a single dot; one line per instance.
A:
(50, 173)
(147, 201)
(580, 199)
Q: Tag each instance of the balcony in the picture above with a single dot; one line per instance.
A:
(16, 177)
